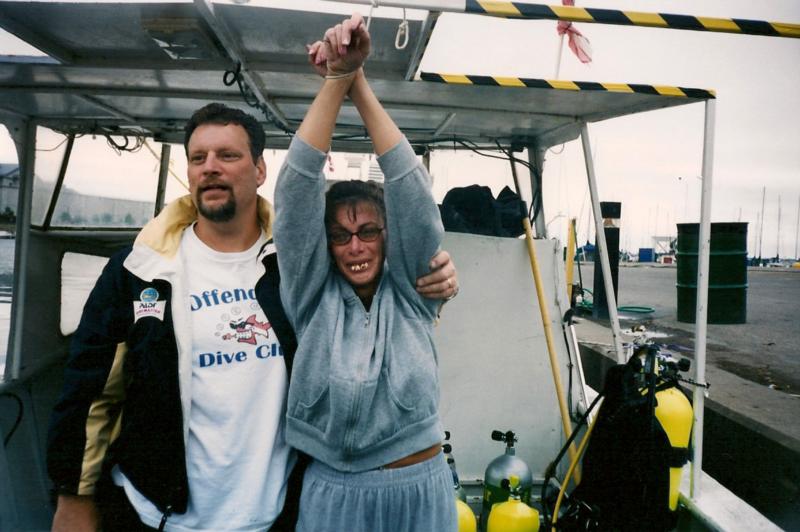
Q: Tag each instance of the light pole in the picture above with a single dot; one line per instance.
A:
(686, 195)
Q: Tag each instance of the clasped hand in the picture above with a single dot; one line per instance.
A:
(343, 50)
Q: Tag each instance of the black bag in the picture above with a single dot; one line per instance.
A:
(474, 210)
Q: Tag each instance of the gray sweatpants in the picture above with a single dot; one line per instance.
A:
(417, 498)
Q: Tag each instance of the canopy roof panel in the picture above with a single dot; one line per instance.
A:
(151, 64)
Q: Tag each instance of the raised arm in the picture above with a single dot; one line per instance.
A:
(299, 229)
(381, 128)
(338, 57)
(412, 218)
(440, 282)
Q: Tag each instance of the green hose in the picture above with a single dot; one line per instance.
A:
(636, 309)
(587, 305)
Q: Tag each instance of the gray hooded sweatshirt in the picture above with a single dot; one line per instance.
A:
(364, 389)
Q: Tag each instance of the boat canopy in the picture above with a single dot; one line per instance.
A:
(143, 68)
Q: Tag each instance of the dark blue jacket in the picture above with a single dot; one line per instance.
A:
(121, 402)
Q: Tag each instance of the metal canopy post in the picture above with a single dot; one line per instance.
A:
(163, 171)
(426, 160)
(602, 247)
(48, 218)
(701, 308)
(536, 160)
(22, 241)
(422, 44)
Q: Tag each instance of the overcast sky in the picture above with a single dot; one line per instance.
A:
(640, 159)
(648, 162)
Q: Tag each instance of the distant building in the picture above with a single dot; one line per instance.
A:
(354, 164)
(73, 208)
(9, 187)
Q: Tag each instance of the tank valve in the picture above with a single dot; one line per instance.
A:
(508, 437)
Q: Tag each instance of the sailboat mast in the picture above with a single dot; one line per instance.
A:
(761, 228)
(778, 249)
(797, 230)
(755, 233)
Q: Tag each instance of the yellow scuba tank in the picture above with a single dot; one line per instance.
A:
(639, 444)
(674, 413)
(513, 515)
(466, 519)
(672, 410)
(499, 470)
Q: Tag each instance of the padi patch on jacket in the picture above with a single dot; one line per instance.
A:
(148, 305)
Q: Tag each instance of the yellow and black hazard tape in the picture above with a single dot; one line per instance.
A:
(500, 81)
(498, 8)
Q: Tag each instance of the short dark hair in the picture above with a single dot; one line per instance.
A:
(350, 194)
(221, 114)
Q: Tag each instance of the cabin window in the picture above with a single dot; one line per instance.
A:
(79, 273)
(9, 195)
(110, 181)
(50, 149)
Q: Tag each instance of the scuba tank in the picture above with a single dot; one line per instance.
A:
(632, 465)
(513, 515)
(674, 413)
(466, 518)
(461, 494)
(500, 469)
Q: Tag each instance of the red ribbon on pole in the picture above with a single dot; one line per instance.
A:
(579, 44)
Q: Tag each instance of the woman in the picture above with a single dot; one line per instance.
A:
(363, 401)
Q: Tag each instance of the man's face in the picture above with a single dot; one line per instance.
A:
(223, 178)
(359, 262)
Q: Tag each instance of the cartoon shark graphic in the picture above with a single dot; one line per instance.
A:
(245, 331)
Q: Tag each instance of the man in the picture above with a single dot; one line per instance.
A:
(173, 405)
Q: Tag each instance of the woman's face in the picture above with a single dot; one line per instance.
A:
(360, 259)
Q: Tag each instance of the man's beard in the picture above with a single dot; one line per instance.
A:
(223, 213)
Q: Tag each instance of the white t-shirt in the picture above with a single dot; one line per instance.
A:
(236, 457)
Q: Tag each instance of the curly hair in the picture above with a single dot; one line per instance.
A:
(350, 194)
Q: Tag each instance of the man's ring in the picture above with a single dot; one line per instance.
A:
(452, 286)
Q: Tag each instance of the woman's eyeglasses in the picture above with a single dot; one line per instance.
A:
(368, 233)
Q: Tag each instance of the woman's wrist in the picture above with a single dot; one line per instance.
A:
(346, 75)
(344, 81)
(358, 80)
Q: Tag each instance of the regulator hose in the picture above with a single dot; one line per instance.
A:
(572, 466)
(551, 469)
